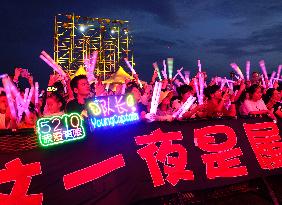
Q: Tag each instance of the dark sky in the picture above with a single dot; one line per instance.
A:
(215, 31)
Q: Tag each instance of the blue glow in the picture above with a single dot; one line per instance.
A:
(114, 120)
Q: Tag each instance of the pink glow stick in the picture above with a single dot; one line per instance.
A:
(164, 70)
(271, 81)
(263, 81)
(36, 93)
(55, 66)
(93, 62)
(263, 68)
(201, 83)
(279, 71)
(199, 66)
(187, 76)
(248, 66)
(197, 90)
(237, 70)
(189, 102)
(182, 77)
(223, 82)
(177, 73)
(9, 97)
(129, 66)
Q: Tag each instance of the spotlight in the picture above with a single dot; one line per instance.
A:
(82, 28)
(125, 30)
(113, 31)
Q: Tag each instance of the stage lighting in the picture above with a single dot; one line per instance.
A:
(125, 30)
(82, 28)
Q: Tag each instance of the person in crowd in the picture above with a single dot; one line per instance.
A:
(164, 111)
(81, 89)
(216, 104)
(133, 88)
(28, 120)
(272, 100)
(4, 115)
(253, 104)
(55, 105)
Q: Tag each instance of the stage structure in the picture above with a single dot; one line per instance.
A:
(77, 37)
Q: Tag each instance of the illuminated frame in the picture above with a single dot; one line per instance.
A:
(109, 111)
(66, 121)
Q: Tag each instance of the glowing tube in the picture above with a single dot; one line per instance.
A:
(155, 65)
(55, 66)
(164, 70)
(263, 68)
(197, 90)
(201, 84)
(182, 77)
(187, 76)
(263, 81)
(93, 62)
(248, 66)
(36, 93)
(9, 97)
(170, 67)
(156, 97)
(237, 70)
(123, 88)
(177, 73)
(199, 66)
(129, 66)
(271, 81)
(189, 102)
(223, 82)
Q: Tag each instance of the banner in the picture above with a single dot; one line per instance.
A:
(130, 163)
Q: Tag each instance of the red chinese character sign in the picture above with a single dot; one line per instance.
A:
(60, 129)
(20, 174)
(222, 159)
(109, 111)
(266, 144)
(174, 166)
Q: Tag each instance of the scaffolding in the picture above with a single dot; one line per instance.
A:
(77, 37)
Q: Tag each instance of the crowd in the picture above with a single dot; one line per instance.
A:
(235, 97)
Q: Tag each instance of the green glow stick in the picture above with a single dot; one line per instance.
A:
(170, 67)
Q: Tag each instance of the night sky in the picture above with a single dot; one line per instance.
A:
(216, 31)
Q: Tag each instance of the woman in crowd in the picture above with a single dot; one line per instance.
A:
(272, 100)
(55, 105)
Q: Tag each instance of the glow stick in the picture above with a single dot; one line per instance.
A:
(279, 71)
(263, 82)
(156, 97)
(263, 68)
(129, 66)
(164, 70)
(237, 77)
(189, 102)
(237, 70)
(123, 88)
(182, 77)
(199, 66)
(36, 93)
(177, 73)
(248, 66)
(155, 65)
(223, 82)
(197, 90)
(201, 83)
(3, 75)
(107, 86)
(31, 91)
(277, 79)
(271, 79)
(170, 67)
(187, 76)
(9, 97)
(26, 94)
(55, 66)
(93, 62)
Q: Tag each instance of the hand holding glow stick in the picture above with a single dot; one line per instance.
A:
(164, 70)
(9, 97)
(197, 89)
(263, 68)
(237, 70)
(36, 93)
(248, 66)
(201, 83)
(189, 102)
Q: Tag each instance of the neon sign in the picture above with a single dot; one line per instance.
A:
(60, 129)
(112, 110)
